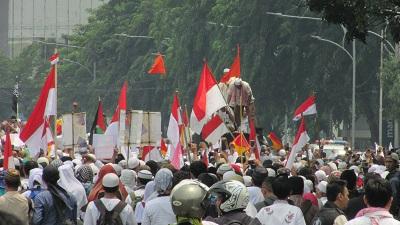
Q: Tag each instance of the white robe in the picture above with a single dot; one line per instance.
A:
(280, 212)
(92, 214)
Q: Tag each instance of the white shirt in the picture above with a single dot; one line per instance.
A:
(365, 220)
(255, 195)
(158, 211)
(92, 214)
(281, 213)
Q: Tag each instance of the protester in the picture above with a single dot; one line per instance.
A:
(109, 209)
(332, 212)
(12, 201)
(35, 183)
(54, 205)
(84, 174)
(232, 198)
(266, 189)
(159, 210)
(378, 198)
(258, 176)
(280, 211)
(392, 164)
(296, 196)
(189, 201)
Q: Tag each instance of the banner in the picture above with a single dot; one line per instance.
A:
(74, 127)
(103, 146)
(136, 123)
(122, 128)
(151, 129)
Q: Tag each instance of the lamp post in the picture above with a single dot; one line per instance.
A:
(353, 98)
(85, 67)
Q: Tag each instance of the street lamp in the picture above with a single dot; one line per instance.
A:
(85, 67)
(133, 36)
(353, 99)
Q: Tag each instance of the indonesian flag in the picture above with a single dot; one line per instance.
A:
(47, 140)
(113, 127)
(300, 141)
(158, 66)
(8, 161)
(45, 106)
(234, 71)
(240, 144)
(276, 142)
(213, 130)
(208, 100)
(306, 108)
(253, 137)
(54, 58)
(173, 134)
(151, 153)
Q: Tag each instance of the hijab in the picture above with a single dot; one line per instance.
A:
(98, 186)
(128, 178)
(163, 181)
(72, 185)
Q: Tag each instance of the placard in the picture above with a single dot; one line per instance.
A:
(74, 127)
(136, 123)
(151, 128)
(103, 146)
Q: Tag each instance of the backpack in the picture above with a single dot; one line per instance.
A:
(109, 217)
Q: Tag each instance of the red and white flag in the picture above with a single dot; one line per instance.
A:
(253, 137)
(214, 129)
(54, 58)
(113, 127)
(47, 140)
(151, 153)
(45, 106)
(208, 100)
(308, 107)
(300, 141)
(8, 161)
(173, 134)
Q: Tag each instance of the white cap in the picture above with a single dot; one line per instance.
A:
(226, 70)
(133, 163)
(110, 180)
(145, 174)
(117, 169)
(43, 160)
(322, 186)
(247, 181)
(238, 81)
(122, 163)
(282, 152)
(271, 172)
(321, 175)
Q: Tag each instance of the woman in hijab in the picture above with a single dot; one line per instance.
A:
(35, 183)
(128, 178)
(54, 205)
(84, 174)
(149, 192)
(98, 191)
(72, 185)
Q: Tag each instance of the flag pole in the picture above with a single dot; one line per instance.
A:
(56, 89)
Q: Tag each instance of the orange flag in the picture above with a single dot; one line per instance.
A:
(158, 66)
(163, 147)
(276, 142)
(241, 144)
(234, 70)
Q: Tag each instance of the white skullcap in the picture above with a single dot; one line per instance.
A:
(133, 163)
(271, 172)
(145, 174)
(43, 160)
(224, 168)
(238, 81)
(321, 175)
(333, 166)
(110, 180)
(117, 169)
(247, 181)
(228, 175)
(122, 163)
(282, 152)
(322, 186)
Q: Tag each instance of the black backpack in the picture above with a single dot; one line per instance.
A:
(109, 217)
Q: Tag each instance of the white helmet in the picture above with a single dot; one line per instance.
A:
(234, 195)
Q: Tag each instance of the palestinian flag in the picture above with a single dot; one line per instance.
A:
(98, 126)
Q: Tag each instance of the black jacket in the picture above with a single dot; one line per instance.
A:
(327, 214)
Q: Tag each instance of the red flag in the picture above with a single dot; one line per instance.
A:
(158, 66)
(8, 161)
(113, 128)
(253, 137)
(300, 140)
(308, 107)
(240, 143)
(234, 71)
(45, 106)
(163, 147)
(276, 142)
(207, 101)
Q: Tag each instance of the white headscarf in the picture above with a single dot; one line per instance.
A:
(36, 175)
(163, 180)
(128, 178)
(72, 185)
